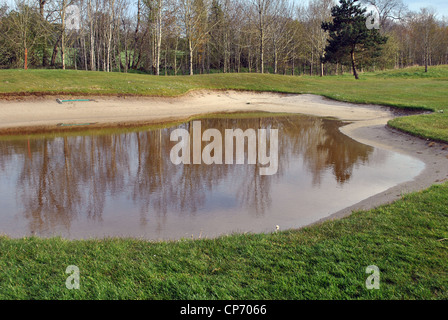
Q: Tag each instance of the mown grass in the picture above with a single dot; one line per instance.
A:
(326, 261)
(405, 88)
(407, 240)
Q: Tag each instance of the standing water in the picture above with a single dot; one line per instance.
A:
(125, 184)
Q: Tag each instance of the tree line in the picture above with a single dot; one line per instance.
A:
(174, 37)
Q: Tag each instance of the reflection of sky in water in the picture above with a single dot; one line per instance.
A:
(367, 180)
(125, 184)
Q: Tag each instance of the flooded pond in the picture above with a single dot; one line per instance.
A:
(124, 184)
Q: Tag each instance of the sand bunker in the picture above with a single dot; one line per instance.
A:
(107, 110)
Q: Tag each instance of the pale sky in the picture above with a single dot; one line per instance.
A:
(440, 6)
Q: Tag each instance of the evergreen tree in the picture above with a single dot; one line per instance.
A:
(349, 35)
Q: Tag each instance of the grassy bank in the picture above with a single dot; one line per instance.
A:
(407, 88)
(406, 240)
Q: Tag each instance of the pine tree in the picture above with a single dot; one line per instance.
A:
(349, 35)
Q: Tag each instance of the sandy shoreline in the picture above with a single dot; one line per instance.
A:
(46, 112)
(367, 124)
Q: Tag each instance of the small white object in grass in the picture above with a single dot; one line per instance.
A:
(277, 227)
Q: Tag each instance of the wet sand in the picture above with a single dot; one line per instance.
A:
(367, 124)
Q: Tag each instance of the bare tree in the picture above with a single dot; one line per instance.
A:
(263, 9)
(388, 11)
(424, 26)
(196, 27)
(318, 11)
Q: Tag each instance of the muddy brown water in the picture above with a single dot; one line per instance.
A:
(125, 185)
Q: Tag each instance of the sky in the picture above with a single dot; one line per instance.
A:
(440, 6)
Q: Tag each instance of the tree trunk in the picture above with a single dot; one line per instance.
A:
(311, 63)
(92, 39)
(208, 57)
(190, 47)
(44, 53)
(275, 59)
(166, 51)
(55, 53)
(261, 26)
(175, 57)
(262, 54)
(63, 35)
(322, 64)
(136, 39)
(159, 36)
(126, 56)
(85, 52)
(42, 7)
(109, 41)
(293, 68)
(355, 73)
(249, 58)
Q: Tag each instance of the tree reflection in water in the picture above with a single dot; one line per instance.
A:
(66, 178)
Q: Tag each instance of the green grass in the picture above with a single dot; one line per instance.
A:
(326, 261)
(406, 88)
